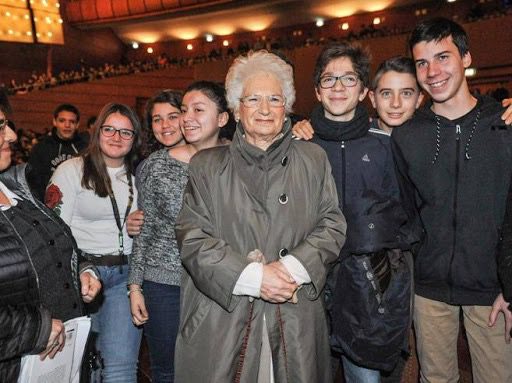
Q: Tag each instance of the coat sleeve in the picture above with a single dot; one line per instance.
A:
(407, 192)
(321, 248)
(39, 171)
(212, 264)
(505, 250)
(24, 329)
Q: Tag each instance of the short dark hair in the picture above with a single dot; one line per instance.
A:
(214, 91)
(359, 56)
(437, 29)
(67, 108)
(167, 96)
(400, 64)
(5, 106)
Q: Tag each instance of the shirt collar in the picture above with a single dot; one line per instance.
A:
(13, 198)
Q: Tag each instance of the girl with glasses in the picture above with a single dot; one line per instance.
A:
(94, 193)
(155, 266)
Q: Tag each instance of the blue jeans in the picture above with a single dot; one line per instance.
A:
(358, 374)
(118, 339)
(161, 329)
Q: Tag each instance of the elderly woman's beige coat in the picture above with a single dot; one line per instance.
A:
(240, 198)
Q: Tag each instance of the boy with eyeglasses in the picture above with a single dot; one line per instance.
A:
(368, 291)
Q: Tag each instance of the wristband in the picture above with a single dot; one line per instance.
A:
(132, 291)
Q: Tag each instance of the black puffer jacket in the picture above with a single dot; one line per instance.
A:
(369, 316)
(25, 324)
(457, 174)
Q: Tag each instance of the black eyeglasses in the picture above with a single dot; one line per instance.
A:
(110, 131)
(349, 80)
(3, 124)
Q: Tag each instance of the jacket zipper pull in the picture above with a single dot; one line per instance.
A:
(457, 131)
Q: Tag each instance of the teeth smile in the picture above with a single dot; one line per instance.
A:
(437, 84)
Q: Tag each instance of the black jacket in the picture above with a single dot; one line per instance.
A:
(456, 174)
(25, 324)
(505, 251)
(369, 291)
(47, 155)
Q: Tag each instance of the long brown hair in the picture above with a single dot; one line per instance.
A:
(95, 176)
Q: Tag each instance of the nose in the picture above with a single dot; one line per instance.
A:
(264, 107)
(433, 69)
(338, 85)
(9, 135)
(396, 101)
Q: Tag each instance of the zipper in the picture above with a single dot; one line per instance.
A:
(343, 175)
(455, 195)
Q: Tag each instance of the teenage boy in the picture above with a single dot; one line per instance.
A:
(395, 95)
(369, 290)
(454, 161)
(64, 143)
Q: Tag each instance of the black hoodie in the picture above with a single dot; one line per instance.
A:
(455, 175)
(47, 155)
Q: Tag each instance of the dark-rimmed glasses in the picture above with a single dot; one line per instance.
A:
(349, 80)
(3, 124)
(110, 131)
(253, 101)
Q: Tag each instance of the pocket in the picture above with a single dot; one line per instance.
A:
(195, 316)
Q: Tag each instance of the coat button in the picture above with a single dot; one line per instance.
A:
(371, 226)
(66, 285)
(283, 252)
(75, 305)
(381, 310)
(35, 222)
(283, 199)
(59, 265)
(369, 275)
(51, 242)
(284, 160)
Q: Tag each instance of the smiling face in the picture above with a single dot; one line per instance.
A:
(115, 148)
(7, 137)
(66, 124)
(200, 119)
(340, 102)
(165, 120)
(264, 122)
(396, 98)
(440, 70)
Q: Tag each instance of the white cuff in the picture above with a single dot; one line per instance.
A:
(90, 271)
(249, 281)
(296, 270)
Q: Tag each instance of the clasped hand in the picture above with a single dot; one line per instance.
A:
(277, 285)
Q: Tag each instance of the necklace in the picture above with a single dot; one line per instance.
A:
(468, 142)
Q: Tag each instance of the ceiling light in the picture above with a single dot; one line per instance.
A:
(470, 72)
(376, 21)
(190, 47)
(225, 43)
(135, 45)
(209, 37)
(319, 22)
(150, 50)
(344, 26)
(451, 1)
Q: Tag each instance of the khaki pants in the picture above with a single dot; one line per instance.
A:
(437, 329)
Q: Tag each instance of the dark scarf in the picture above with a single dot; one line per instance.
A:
(329, 130)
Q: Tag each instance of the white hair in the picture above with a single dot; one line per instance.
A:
(258, 62)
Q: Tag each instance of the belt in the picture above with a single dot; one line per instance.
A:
(105, 260)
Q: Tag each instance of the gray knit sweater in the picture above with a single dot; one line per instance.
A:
(155, 256)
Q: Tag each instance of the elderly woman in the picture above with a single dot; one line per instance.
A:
(259, 228)
(40, 286)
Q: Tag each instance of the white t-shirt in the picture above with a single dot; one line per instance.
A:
(90, 217)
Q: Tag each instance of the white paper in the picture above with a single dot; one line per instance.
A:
(65, 366)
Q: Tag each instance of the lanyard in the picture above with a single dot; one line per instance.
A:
(116, 212)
